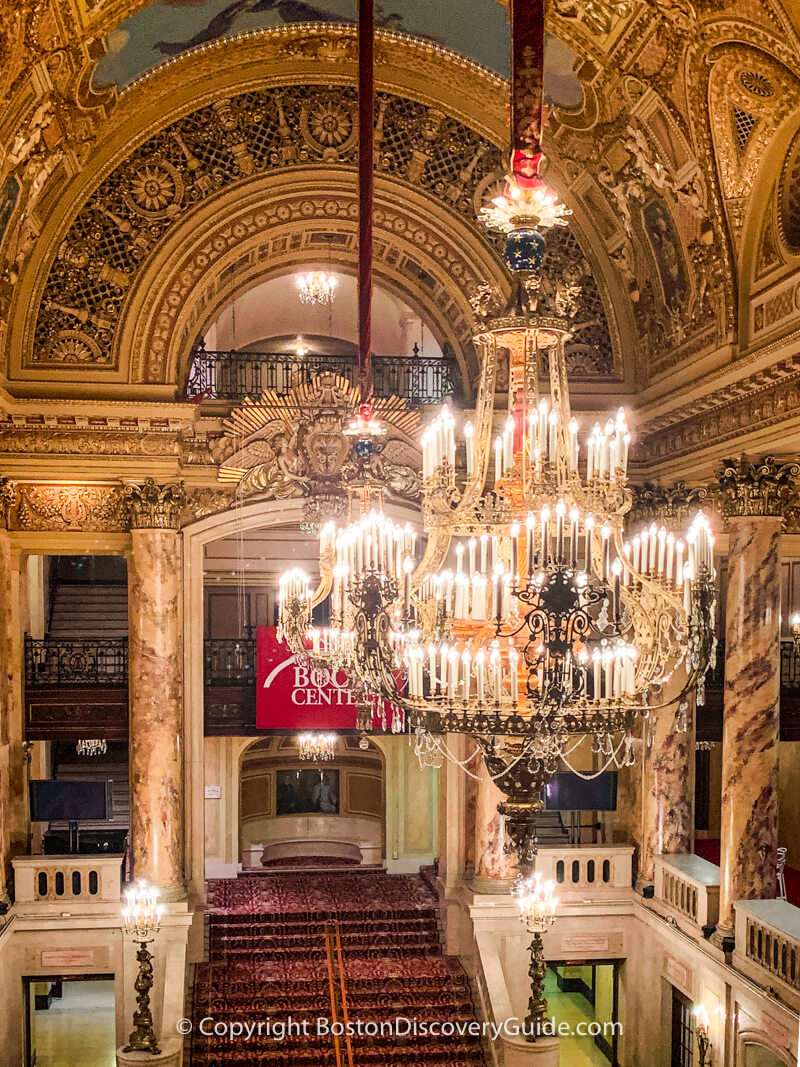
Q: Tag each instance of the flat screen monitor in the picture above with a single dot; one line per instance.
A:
(569, 792)
(54, 801)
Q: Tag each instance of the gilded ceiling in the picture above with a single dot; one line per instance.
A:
(672, 136)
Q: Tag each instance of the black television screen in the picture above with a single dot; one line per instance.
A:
(53, 801)
(569, 792)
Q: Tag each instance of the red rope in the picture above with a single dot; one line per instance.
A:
(366, 98)
(527, 87)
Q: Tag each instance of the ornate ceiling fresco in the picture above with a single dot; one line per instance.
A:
(126, 127)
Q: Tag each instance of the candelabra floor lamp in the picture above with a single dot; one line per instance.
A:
(141, 915)
(537, 904)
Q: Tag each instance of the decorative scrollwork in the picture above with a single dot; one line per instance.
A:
(759, 489)
(155, 507)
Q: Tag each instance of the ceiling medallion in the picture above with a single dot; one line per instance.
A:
(316, 287)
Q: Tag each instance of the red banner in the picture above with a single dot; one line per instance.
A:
(294, 696)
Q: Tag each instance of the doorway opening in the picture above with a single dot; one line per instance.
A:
(585, 994)
(70, 1019)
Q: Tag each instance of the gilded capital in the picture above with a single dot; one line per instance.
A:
(673, 505)
(8, 498)
(155, 507)
(759, 489)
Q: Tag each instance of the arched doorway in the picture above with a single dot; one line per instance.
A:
(292, 812)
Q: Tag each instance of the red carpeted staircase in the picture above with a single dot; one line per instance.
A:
(269, 960)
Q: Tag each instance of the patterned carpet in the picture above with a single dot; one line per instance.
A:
(267, 963)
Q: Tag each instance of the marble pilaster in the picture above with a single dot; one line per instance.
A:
(156, 687)
(13, 814)
(668, 786)
(495, 870)
(751, 722)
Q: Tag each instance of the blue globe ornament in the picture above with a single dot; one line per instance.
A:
(364, 447)
(525, 248)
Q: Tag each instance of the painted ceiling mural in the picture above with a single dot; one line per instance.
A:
(167, 28)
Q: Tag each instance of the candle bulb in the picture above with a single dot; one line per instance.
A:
(616, 570)
(514, 553)
(587, 555)
(573, 444)
(606, 534)
(508, 444)
(596, 674)
(574, 517)
(466, 663)
(545, 535)
(530, 524)
(469, 445)
(561, 510)
(513, 662)
(480, 669)
(498, 459)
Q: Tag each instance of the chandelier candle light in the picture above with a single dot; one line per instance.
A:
(316, 287)
(537, 904)
(141, 916)
(91, 746)
(317, 747)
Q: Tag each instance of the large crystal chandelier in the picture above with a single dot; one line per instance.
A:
(529, 621)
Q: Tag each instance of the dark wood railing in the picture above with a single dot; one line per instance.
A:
(235, 375)
(85, 663)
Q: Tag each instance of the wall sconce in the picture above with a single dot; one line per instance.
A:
(701, 1028)
(794, 622)
(701, 1024)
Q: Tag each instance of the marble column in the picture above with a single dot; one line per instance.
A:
(494, 869)
(753, 497)
(13, 811)
(668, 784)
(156, 686)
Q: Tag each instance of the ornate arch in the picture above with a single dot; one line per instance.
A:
(72, 312)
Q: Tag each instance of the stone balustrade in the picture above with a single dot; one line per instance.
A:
(590, 870)
(50, 883)
(688, 886)
(768, 945)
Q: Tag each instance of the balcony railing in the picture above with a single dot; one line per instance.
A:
(85, 663)
(790, 667)
(688, 885)
(229, 662)
(235, 375)
(768, 945)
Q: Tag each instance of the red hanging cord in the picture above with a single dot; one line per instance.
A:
(527, 89)
(366, 98)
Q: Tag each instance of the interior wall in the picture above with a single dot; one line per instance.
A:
(411, 809)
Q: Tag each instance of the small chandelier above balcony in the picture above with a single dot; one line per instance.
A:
(317, 748)
(93, 746)
(316, 287)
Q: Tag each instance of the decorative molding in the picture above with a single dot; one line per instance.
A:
(8, 498)
(761, 489)
(84, 508)
(130, 216)
(673, 505)
(296, 446)
(154, 507)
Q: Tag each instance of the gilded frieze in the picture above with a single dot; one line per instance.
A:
(70, 508)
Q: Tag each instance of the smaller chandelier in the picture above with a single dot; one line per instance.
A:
(318, 748)
(316, 287)
(141, 912)
(537, 902)
(92, 746)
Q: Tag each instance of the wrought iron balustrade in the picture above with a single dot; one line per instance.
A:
(229, 662)
(790, 667)
(235, 375)
(88, 662)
